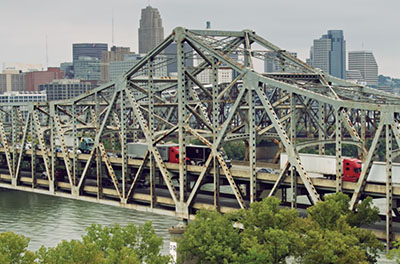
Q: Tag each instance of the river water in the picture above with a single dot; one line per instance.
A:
(48, 220)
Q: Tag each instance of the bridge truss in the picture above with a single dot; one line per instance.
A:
(300, 106)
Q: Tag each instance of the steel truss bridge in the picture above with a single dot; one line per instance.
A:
(300, 106)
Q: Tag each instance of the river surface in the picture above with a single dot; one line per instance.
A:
(48, 220)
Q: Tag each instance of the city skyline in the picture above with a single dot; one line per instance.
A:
(294, 28)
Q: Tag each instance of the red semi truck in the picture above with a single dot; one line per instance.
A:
(326, 166)
(195, 154)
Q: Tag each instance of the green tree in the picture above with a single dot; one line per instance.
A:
(395, 252)
(114, 244)
(210, 238)
(271, 234)
(334, 221)
(268, 235)
(13, 249)
(69, 252)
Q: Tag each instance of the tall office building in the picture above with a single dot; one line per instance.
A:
(12, 81)
(118, 68)
(273, 64)
(364, 62)
(151, 31)
(329, 53)
(64, 89)
(115, 54)
(68, 69)
(86, 60)
(93, 50)
(170, 53)
(87, 68)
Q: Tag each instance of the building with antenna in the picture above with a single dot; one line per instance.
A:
(151, 31)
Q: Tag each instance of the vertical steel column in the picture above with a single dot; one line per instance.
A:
(293, 131)
(389, 187)
(74, 148)
(14, 126)
(321, 134)
(53, 133)
(98, 152)
(151, 93)
(33, 148)
(363, 124)
(124, 158)
(182, 115)
(252, 143)
(339, 160)
(215, 123)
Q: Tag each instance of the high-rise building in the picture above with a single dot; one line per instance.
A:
(151, 31)
(86, 60)
(364, 62)
(68, 69)
(65, 89)
(118, 68)
(93, 50)
(87, 68)
(36, 78)
(329, 53)
(12, 81)
(273, 64)
(170, 53)
(115, 54)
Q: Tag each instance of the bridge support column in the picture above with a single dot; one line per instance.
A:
(15, 139)
(181, 207)
(321, 133)
(339, 160)
(33, 155)
(74, 150)
(363, 125)
(293, 131)
(215, 123)
(124, 158)
(389, 187)
(252, 144)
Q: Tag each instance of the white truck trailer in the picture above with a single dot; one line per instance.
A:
(319, 166)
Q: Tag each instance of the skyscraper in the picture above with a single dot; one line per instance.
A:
(273, 64)
(364, 62)
(329, 53)
(93, 50)
(115, 54)
(151, 31)
(86, 59)
(170, 53)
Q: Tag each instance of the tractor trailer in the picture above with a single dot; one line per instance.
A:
(324, 165)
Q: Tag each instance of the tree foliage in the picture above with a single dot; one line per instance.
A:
(269, 234)
(104, 245)
(394, 253)
(13, 249)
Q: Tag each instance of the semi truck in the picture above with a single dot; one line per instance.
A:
(324, 165)
(195, 154)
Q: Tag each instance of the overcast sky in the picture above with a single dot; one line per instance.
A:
(291, 24)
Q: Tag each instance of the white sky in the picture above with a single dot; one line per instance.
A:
(291, 24)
